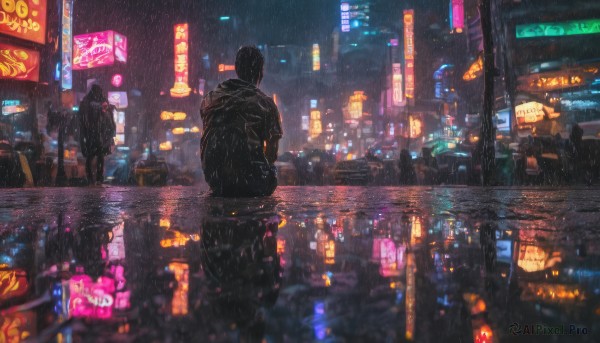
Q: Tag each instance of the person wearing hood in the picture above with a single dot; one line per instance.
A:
(97, 132)
(242, 128)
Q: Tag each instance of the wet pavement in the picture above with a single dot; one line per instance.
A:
(334, 264)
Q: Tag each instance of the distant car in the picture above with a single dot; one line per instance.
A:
(353, 172)
(151, 172)
(286, 173)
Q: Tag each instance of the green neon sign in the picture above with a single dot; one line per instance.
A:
(567, 28)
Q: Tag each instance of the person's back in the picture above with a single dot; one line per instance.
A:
(242, 128)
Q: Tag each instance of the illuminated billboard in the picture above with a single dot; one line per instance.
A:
(533, 112)
(180, 303)
(67, 46)
(316, 57)
(567, 28)
(91, 299)
(305, 123)
(409, 53)
(119, 99)
(389, 256)
(120, 48)
(18, 63)
(25, 19)
(457, 15)
(397, 95)
(13, 284)
(226, 67)
(98, 49)
(354, 14)
(181, 88)
(316, 127)
(550, 81)
(355, 105)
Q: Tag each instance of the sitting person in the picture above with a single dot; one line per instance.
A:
(242, 128)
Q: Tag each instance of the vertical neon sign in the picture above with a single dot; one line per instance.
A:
(397, 95)
(181, 88)
(67, 46)
(180, 304)
(316, 57)
(409, 53)
(345, 10)
(457, 15)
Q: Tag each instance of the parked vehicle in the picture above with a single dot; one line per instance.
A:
(286, 173)
(353, 172)
(11, 174)
(151, 172)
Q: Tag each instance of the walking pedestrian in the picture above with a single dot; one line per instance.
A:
(97, 132)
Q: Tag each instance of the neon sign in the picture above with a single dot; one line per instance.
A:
(179, 304)
(91, 299)
(568, 28)
(119, 99)
(25, 19)
(530, 112)
(397, 95)
(316, 57)
(355, 107)
(67, 46)
(181, 88)
(345, 10)
(354, 14)
(18, 63)
(116, 80)
(13, 283)
(457, 15)
(179, 116)
(98, 49)
(226, 67)
(315, 123)
(409, 53)
(475, 70)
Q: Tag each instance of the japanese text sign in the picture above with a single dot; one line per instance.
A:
(181, 88)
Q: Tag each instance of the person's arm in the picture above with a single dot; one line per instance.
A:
(271, 150)
(273, 135)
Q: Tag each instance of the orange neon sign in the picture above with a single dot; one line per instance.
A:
(226, 67)
(180, 304)
(13, 283)
(181, 88)
(18, 63)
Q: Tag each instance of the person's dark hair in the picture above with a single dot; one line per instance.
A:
(249, 63)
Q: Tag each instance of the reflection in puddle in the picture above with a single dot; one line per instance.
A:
(227, 270)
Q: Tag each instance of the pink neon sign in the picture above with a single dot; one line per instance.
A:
(91, 299)
(98, 49)
(458, 14)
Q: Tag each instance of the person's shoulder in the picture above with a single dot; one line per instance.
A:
(268, 100)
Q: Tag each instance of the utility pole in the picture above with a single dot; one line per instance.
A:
(488, 158)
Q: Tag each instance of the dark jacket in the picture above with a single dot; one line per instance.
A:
(238, 118)
(97, 125)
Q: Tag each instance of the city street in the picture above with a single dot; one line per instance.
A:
(335, 264)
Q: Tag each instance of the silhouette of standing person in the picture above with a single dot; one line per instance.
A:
(98, 129)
